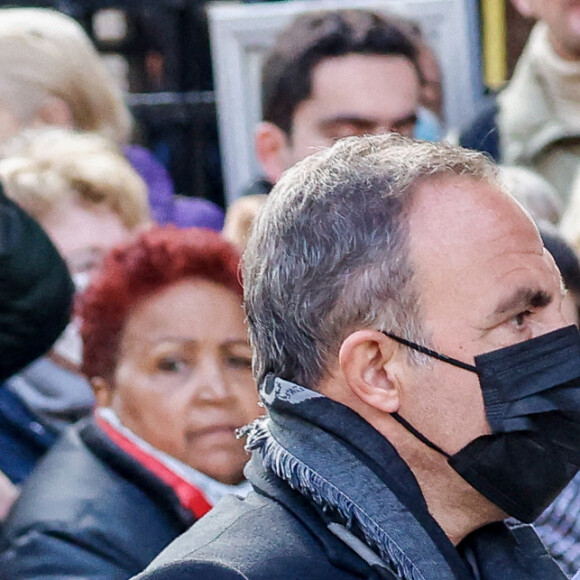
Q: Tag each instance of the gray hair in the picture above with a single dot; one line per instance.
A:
(329, 252)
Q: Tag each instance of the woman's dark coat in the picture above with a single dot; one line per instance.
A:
(89, 512)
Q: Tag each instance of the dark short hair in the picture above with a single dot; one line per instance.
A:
(157, 259)
(315, 36)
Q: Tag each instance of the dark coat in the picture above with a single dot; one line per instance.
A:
(259, 186)
(89, 511)
(35, 290)
(277, 534)
(482, 134)
(24, 438)
(273, 534)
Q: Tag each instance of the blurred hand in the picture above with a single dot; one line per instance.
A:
(8, 494)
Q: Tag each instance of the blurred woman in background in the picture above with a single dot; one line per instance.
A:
(52, 75)
(166, 349)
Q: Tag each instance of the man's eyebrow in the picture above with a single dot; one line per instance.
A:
(523, 298)
(411, 118)
(348, 120)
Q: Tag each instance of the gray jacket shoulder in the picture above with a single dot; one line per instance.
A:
(256, 538)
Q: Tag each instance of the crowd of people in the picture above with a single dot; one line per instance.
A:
(368, 366)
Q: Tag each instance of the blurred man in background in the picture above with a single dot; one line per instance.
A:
(330, 75)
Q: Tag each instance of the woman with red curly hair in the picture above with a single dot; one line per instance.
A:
(167, 353)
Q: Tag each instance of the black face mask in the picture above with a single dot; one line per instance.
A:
(531, 392)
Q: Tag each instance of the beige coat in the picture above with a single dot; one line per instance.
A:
(539, 114)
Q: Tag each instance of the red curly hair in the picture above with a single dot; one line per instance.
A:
(154, 260)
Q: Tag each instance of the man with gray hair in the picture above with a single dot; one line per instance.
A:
(420, 378)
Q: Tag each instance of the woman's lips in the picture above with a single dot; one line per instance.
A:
(212, 431)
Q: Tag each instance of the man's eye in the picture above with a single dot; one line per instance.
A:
(350, 130)
(520, 319)
(406, 129)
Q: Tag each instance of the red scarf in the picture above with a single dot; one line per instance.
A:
(190, 496)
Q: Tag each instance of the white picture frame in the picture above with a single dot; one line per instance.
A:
(241, 35)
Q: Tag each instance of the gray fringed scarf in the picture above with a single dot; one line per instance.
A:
(332, 456)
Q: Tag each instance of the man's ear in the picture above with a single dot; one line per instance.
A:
(54, 111)
(525, 8)
(271, 144)
(103, 390)
(366, 359)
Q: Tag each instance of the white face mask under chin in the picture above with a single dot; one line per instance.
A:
(69, 345)
(81, 280)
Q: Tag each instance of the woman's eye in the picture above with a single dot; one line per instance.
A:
(240, 362)
(171, 365)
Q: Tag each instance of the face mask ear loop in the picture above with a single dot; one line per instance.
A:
(432, 353)
(419, 435)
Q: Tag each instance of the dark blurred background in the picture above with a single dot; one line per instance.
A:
(159, 50)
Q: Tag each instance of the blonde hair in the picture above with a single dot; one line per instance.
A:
(41, 167)
(239, 219)
(44, 54)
